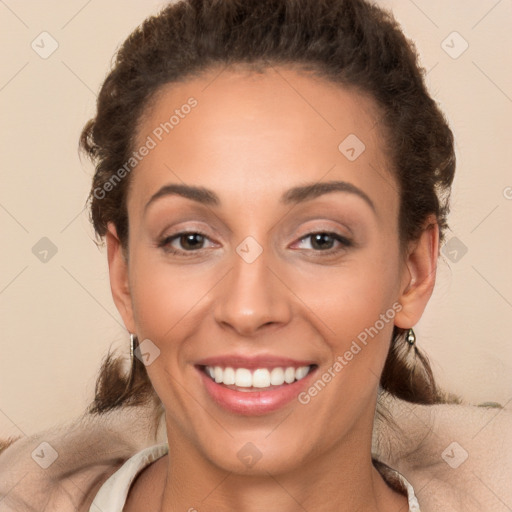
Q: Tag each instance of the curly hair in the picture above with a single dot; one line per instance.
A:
(352, 43)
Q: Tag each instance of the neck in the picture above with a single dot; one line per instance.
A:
(343, 479)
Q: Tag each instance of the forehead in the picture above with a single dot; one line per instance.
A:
(253, 134)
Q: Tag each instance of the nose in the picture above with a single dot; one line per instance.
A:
(252, 297)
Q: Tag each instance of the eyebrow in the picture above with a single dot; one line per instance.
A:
(312, 190)
(199, 194)
(294, 195)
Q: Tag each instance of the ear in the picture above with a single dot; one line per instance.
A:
(119, 283)
(419, 275)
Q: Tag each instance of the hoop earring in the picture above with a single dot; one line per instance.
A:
(411, 337)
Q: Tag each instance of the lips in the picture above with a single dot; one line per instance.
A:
(256, 385)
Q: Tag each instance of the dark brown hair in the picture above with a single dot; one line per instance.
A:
(352, 43)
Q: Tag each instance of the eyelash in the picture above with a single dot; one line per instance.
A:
(165, 243)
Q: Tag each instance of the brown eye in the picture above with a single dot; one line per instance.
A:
(191, 241)
(324, 241)
(184, 242)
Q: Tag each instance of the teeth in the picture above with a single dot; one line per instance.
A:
(228, 376)
(301, 372)
(289, 375)
(277, 377)
(260, 378)
(243, 377)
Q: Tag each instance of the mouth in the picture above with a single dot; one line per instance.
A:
(260, 379)
(257, 390)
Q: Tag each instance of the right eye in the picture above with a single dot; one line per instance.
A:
(183, 243)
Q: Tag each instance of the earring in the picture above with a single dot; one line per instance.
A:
(133, 341)
(411, 337)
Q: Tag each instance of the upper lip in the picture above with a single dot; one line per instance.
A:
(253, 362)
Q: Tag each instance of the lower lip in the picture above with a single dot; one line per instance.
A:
(254, 403)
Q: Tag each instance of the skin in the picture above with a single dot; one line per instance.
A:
(251, 138)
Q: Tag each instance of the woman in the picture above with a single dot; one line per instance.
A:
(261, 236)
(272, 182)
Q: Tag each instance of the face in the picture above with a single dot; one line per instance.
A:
(263, 245)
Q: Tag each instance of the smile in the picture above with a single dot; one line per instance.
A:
(254, 387)
(248, 380)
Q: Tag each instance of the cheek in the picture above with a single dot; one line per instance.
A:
(356, 328)
(166, 297)
(350, 298)
(353, 307)
(169, 304)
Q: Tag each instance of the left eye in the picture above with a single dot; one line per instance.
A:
(324, 241)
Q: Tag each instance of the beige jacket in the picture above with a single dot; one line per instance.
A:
(458, 458)
(61, 469)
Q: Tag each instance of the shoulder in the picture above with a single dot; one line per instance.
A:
(459, 457)
(141, 485)
(62, 468)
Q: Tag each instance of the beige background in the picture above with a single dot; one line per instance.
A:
(57, 317)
